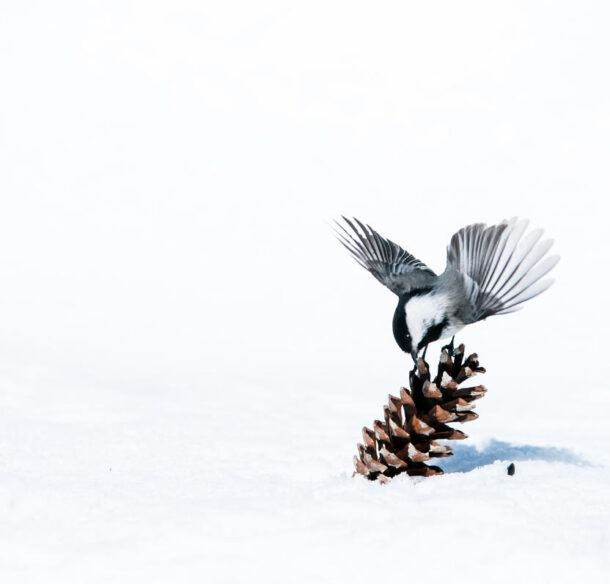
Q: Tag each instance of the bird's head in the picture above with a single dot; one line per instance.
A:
(420, 318)
(400, 328)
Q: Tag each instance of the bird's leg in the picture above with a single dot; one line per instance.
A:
(414, 370)
(449, 347)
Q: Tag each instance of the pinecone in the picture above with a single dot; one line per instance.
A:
(418, 418)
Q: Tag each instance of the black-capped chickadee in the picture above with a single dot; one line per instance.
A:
(490, 270)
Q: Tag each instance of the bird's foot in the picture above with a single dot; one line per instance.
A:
(449, 347)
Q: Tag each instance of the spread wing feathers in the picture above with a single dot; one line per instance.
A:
(501, 268)
(393, 266)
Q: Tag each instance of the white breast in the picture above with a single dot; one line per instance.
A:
(423, 312)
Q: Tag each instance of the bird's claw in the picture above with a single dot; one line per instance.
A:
(449, 347)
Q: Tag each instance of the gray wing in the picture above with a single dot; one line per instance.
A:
(388, 262)
(500, 268)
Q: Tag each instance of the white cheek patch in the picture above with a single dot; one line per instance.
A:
(423, 312)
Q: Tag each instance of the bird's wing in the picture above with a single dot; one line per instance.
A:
(500, 267)
(388, 262)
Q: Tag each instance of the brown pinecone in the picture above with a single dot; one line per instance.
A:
(415, 420)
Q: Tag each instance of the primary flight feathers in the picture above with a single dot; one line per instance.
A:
(393, 266)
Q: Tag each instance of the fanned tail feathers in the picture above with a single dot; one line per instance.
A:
(501, 268)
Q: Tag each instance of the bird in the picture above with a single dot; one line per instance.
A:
(491, 269)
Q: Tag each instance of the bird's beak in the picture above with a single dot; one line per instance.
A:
(414, 355)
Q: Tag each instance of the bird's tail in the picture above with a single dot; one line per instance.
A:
(502, 268)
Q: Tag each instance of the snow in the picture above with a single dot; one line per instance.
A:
(187, 356)
(262, 490)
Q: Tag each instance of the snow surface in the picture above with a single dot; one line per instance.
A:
(187, 357)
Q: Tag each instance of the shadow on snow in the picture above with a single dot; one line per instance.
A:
(466, 458)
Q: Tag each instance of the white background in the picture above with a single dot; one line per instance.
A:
(187, 355)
